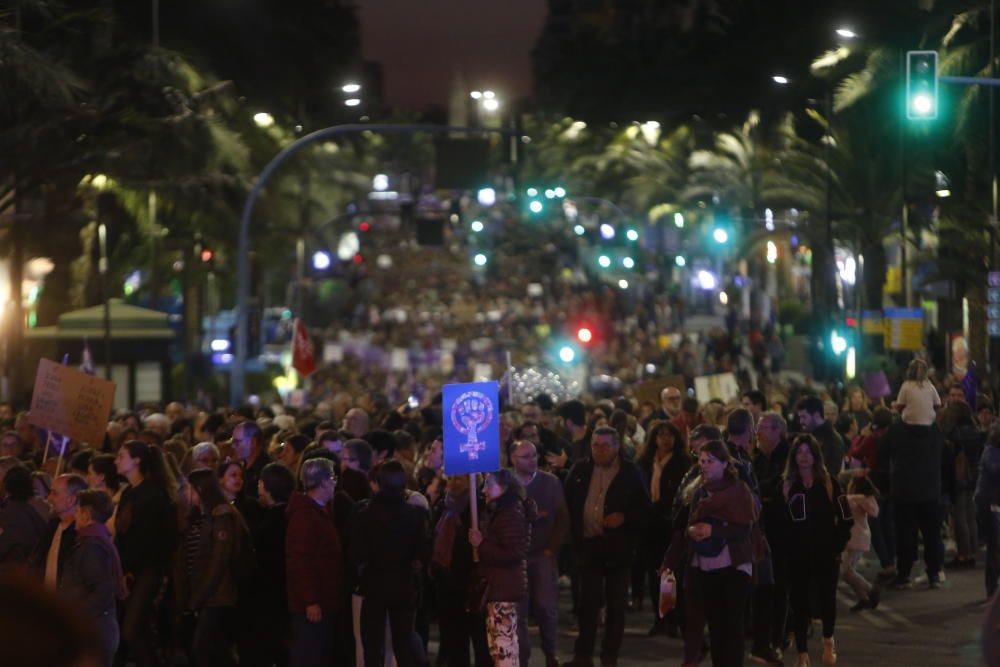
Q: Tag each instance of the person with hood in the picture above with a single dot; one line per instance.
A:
(502, 540)
(314, 565)
(92, 574)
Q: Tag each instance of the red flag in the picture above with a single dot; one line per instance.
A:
(303, 353)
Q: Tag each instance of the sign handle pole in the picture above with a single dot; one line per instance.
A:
(62, 457)
(474, 511)
(48, 441)
(510, 381)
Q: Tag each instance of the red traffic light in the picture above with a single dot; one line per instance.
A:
(358, 258)
(206, 255)
(365, 226)
(584, 335)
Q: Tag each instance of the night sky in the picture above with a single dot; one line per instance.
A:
(422, 43)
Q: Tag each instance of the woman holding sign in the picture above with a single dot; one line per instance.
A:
(502, 542)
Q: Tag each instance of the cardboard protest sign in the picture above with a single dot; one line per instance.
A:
(71, 403)
(471, 428)
(722, 386)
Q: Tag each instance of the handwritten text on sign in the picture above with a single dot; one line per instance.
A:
(71, 403)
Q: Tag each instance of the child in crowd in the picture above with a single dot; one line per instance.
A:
(862, 496)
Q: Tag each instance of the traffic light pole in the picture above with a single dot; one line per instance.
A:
(237, 379)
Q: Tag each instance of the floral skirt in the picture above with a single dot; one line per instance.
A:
(501, 633)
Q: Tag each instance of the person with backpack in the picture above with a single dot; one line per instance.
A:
(819, 529)
(210, 585)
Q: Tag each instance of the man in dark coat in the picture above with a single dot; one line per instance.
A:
(390, 546)
(60, 535)
(771, 600)
(811, 419)
(607, 503)
(313, 565)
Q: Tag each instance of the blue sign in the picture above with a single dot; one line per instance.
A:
(471, 419)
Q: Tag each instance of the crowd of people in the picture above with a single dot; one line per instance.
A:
(273, 536)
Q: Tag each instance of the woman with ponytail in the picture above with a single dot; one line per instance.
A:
(146, 535)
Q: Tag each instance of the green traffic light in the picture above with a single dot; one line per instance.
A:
(921, 85)
(535, 206)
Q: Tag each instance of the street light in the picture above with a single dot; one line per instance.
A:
(352, 102)
(780, 80)
(476, 95)
(263, 119)
(491, 104)
(351, 88)
(846, 33)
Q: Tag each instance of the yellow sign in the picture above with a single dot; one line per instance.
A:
(904, 328)
(893, 280)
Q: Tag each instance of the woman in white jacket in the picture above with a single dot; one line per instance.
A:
(862, 496)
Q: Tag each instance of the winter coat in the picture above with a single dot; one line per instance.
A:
(88, 577)
(626, 494)
(66, 545)
(914, 456)
(826, 529)
(21, 531)
(503, 554)
(146, 528)
(314, 560)
(390, 546)
(656, 536)
(769, 470)
(988, 484)
(213, 583)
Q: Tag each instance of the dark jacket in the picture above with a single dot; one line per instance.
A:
(506, 530)
(88, 576)
(213, 583)
(21, 530)
(626, 494)
(267, 591)
(966, 444)
(738, 537)
(551, 525)
(769, 469)
(66, 545)
(656, 535)
(914, 456)
(988, 484)
(146, 528)
(826, 529)
(832, 446)
(390, 546)
(314, 560)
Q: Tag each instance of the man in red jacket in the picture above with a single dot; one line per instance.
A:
(314, 561)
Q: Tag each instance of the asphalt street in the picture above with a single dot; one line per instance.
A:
(931, 628)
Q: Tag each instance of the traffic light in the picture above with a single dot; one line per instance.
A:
(584, 335)
(921, 85)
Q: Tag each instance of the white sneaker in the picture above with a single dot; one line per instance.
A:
(922, 579)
